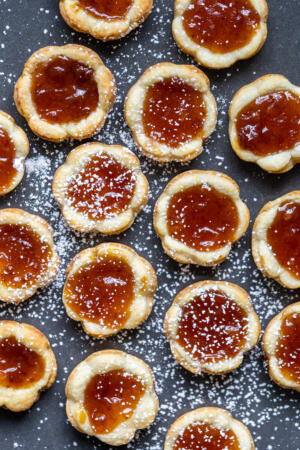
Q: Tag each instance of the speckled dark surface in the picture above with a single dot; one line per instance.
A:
(271, 413)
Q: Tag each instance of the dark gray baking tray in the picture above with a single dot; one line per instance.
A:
(271, 413)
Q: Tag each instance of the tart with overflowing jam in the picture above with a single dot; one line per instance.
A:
(109, 288)
(105, 20)
(281, 345)
(276, 240)
(100, 188)
(217, 33)
(208, 428)
(27, 365)
(65, 92)
(199, 216)
(171, 111)
(14, 147)
(264, 123)
(210, 326)
(111, 395)
(28, 257)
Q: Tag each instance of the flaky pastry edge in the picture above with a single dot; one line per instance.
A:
(145, 286)
(234, 293)
(180, 251)
(205, 56)
(80, 20)
(75, 162)
(20, 399)
(21, 143)
(45, 232)
(214, 416)
(102, 362)
(263, 255)
(133, 110)
(280, 162)
(270, 338)
(74, 130)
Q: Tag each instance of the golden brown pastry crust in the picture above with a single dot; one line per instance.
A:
(214, 416)
(262, 253)
(75, 162)
(232, 291)
(180, 251)
(21, 143)
(145, 286)
(105, 30)
(79, 130)
(134, 107)
(280, 162)
(205, 56)
(102, 362)
(21, 399)
(270, 338)
(44, 230)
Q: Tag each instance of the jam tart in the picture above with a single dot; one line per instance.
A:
(199, 216)
(28, 258)
(65, 92)
(27, 365)
(276, 240)
(105, 20)
(100, 188)
(208, 428)
(171, 111)
(14, 147)
(109, 288)
(210, 326)
(264, 123)
(217, 33)
(281, 344)
(111, 395)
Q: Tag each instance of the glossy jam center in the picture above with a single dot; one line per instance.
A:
(270, 123)
(23, 256)
(111, 398)
(173, 112)
(202, 218)
(103, 189)
(7, 160)
(212, 327)
(204, 436)
(107, 9)
(102, 292)
(64, 90)
(288, 347)
(284, 236)
(221, 26)
(20, 367)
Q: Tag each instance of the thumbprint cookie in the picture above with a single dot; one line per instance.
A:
(219, 33)
(109, 288)
(100, 188)
(210, 325)
(199, 216)
(171, 111)
(111, 395)
(27, 365)
(28, 258)
(65, 92)
(208, 428)
(264, 125)
(14, 147)
(281, 345)
(276, 240)
(105, 20)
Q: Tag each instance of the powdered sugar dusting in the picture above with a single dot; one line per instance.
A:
(271, 413)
